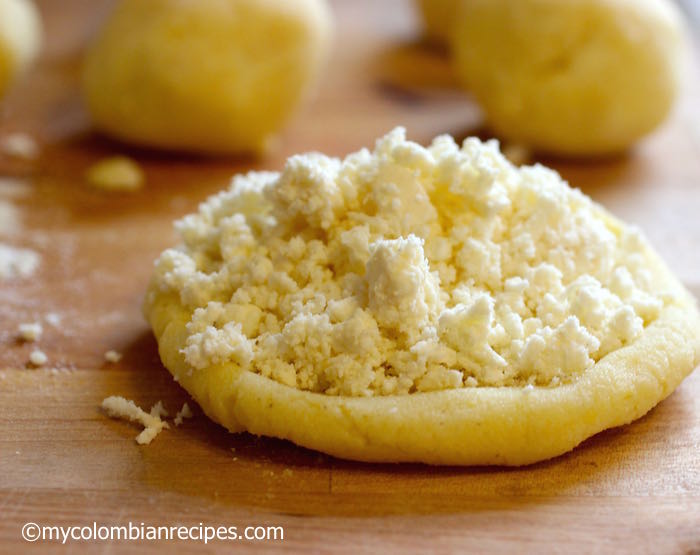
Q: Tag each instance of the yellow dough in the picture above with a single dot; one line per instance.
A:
(20, 39)
(571, 77)
(214, 76)
(438, 18)
(419, 304)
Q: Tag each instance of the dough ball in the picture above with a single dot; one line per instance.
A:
(20, 39)
(438, 18)
(571, 77)
(214, 76)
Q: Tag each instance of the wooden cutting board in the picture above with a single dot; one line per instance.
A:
(635, 489)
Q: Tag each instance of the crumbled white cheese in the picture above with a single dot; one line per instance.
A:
(30, 331)
(158, 410)
(20, 145)
(118, 173)
(38, 358)
(183, 413)
(119, 407)
(408, 269)
(113, 356)
(17, 263)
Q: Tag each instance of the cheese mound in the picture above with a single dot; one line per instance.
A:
(408, 269)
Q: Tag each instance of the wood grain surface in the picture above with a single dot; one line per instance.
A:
(634, 489)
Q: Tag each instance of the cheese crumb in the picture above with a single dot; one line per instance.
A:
(158, 410)
(113, 356)
(20, 145)
(17, 263)
(38, 358)
(183, 413)
(408, 269)
(119, 407)
(53, 319)
(117, 174)
(30, 332)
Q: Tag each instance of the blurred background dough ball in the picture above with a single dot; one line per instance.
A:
(571, 77)
(216, 76)
(20, 39)
(438, 18)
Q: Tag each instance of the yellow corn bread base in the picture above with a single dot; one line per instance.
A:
(471, 426)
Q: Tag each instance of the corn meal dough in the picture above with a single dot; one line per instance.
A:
(571, 77)
(116, 174)
(20, 39)
(438, 18)
(214, 76)
(419, 304)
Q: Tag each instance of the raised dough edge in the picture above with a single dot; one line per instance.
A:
(473, 426)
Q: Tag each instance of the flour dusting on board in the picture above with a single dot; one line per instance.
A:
(17, 263)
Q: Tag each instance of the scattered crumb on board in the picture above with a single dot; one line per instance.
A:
(10, 219)
(116, 174)
(20, 145)
(38, 358)
(152, 421)
(119, 407)
(53, 319)
(183, 413)
(30, 331)
(113, 356)
(159, 410)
